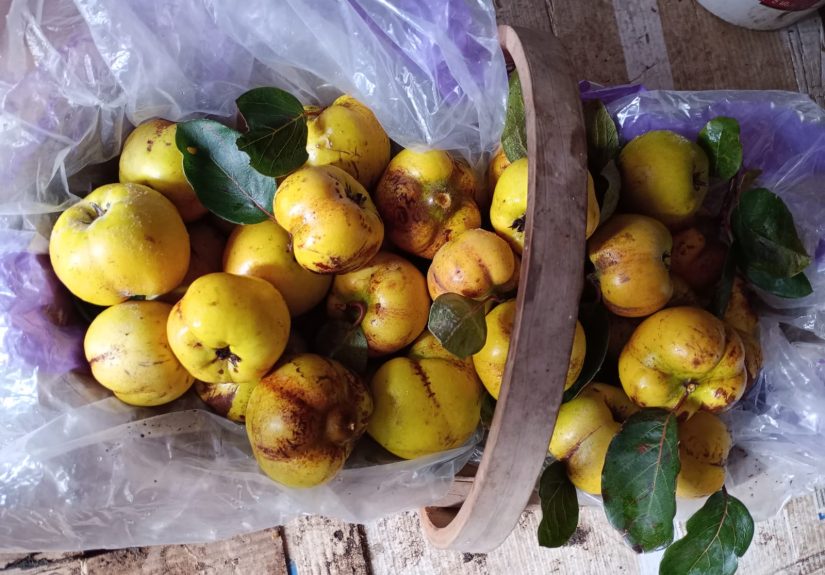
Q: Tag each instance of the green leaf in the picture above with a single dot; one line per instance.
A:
(608, 189)
(488, 408)
(764, 230)
(793, 287)
(514, 137)
(221, 175)
(720, 140)
(277, 138)
(559, 506)
(639, 479)
(724, 287)
(596, 324)
(602, 136)
(458, 323)
(344, 342)
(717, 535)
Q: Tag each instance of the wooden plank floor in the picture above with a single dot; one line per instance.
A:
(662, 44)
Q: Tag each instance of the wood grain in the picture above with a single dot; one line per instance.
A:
(260, 552)
(707, 53)
(322, 546)
(643, 42)
(805, 41)
(587, 29)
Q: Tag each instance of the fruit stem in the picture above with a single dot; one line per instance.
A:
(356, 310)
(225, 353)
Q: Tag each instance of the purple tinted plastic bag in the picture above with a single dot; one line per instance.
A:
(779, 426)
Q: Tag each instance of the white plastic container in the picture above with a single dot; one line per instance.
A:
(762, 14)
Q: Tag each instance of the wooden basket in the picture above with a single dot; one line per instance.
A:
(490, 503)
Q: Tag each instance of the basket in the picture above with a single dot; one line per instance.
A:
(485, 504)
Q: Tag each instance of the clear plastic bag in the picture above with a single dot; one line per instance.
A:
(79, 469)
(779, 426)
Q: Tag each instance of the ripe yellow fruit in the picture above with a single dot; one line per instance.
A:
(593, 211)
(664, 176)
(508, 212)
(631, 253)
(334, 225)
(151, 157)
(226, 399)
(477, 264)
(740, 315)
(509, 208)
(304, 418)
(490, 361)
(427, 402)
(425, 199)
(585, 426)
(704, 444)
(684, 359)
(389, 295)
(498, 163)
(229, 328)
(347, 135)
(127, 349)
(264, 251)
(122, 240)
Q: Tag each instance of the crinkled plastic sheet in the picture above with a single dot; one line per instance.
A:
(779, 426)
(74, 74)
(79, 469)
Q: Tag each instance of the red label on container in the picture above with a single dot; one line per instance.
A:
(789, 5)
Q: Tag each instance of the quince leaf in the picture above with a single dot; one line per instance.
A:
(602, 136)
(221, 175)
(559, 506)
(514, 136)
(639, 479)
(344, 342)
(458, 323)
(608, 188)
(719, 139)
(596, 324)
(717, 535)
(724, 287)
(277, 138)
(763, 227)
(792, 287)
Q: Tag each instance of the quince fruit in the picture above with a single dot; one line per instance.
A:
(477, 264)
(151, 157)
(704, 444)
(333, 223)
(128, 351)
(388, 297)
(684, 359)
(264, 250)
(94, 243)
(347, 135)
(426, 402)
(490, 361)
(585, 426)
(229, 328)
(425, 199)
(304, 418)
(664, 176)
(631, 253)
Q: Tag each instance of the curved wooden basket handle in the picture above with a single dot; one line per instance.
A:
(547, 304)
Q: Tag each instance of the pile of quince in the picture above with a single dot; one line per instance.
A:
(656, 265)
(354, 236)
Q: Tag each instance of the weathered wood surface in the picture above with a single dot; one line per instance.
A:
(663, 44)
